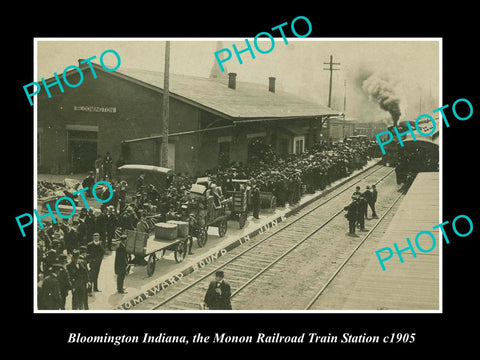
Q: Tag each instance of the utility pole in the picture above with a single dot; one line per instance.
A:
(345, 99)
(331, 69)
(166, 107)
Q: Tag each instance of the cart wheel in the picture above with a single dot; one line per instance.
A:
(181, 251)
(151, 265)
(241, 220)
(202, 237)
(222, 228)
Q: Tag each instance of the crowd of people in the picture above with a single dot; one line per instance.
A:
(288, 178)
(357, 210)
(70, 253)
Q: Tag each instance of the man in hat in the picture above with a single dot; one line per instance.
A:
(140, 182)
(90, 223)
(80, 278)
(352, 216)
(128, 220)
(72, 238)
(121, 190)
(357, 192)
(101, 224)
(361, 211)
(367, 194)
(48, 261)
(218, 293)
(52, 297)
(98, 167)
(142, 225)
(107, 166)
(64, 279)
(96, 251)
(89, 181)
(255, 200)
(121, 263)
(374, 200)
(111, 225)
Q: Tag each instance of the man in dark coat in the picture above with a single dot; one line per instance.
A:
(256, 201)
(90, 224)
(357, 192)
(374, 200)
(367, 194)
(121, 190)
(218, 294)
(64, 279)
(362, 210)
(72, 237)
(80, 277)
(95, 251)
(121, 262)
(351, 215)
(52, 297)
(101, 224)
(111, 224)
(140, 182)
(89, 181)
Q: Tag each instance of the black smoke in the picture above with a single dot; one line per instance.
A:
(382, 89)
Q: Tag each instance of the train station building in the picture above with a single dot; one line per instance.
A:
(121, 112)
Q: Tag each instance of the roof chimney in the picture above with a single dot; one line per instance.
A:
(271, 84)
(232, 80)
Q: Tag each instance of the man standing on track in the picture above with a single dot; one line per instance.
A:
(351, 215)
(218, 294)
(367, 194)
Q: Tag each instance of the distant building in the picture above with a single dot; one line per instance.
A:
(121, 112)
(341, 127)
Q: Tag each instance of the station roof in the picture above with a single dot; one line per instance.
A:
(247, 101)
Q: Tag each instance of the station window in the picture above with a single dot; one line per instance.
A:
(298, 144)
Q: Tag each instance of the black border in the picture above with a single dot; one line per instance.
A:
(460, 75)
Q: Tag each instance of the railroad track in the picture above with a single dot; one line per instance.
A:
(262, 258)
(317, 296)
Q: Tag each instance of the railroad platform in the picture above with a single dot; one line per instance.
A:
(139, 286)
(411, 285)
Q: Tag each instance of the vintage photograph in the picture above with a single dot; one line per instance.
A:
(233, 174)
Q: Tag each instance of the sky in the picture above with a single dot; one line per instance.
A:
(412, 67)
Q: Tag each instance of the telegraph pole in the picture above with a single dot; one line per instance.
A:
(166, 109)
(331, 69)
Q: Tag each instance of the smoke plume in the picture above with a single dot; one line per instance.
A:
(382, 89)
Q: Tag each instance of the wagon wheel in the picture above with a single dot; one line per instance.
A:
(202, 236)
(222, 228)
(151, 265)
(241, 220)
(181, 251)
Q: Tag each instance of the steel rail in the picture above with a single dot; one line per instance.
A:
(319, 293)
(170, 298)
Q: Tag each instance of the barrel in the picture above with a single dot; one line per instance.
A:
(182, 227)
(166, 231)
